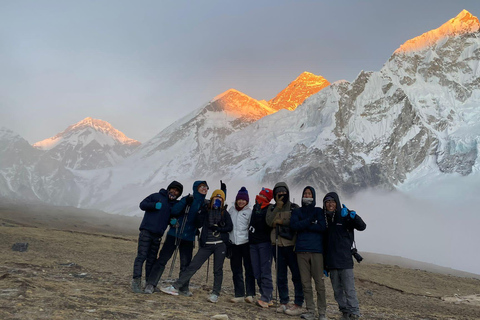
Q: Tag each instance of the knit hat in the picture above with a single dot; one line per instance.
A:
(242, 195)
(267, 193)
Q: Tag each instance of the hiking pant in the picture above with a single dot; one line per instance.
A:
(261, 256)
(288, 258)
(148, 245)
(343, 285)
(185, 250)
(218, 251)
(241, 254)
(310, 265)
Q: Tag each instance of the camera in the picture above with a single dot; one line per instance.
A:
(356, 255)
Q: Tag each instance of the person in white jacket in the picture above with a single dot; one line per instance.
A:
(240, 249)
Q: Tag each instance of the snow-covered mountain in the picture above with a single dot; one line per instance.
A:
(416, 118)
(88, 144)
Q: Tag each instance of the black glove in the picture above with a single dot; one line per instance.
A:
(223, 187)
(189, 200)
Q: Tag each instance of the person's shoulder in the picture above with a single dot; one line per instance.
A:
(294, 206)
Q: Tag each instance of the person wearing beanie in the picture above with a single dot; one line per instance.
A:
(309, 223)
(260, 247)
(181, 235)
(341, 223)
(216, 223)
(157, 207)
(239, 249)
(283, 242)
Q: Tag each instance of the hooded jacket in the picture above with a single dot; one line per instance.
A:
(340, 236)
(156, 220)
(178, 210)
(284, 213)
(258, 230)
(203, 220)
(309, 223)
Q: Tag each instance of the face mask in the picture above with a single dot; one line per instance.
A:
(217, 203)
(307, 201)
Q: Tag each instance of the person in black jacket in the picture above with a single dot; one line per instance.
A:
(309, 223)
(216, 224)
(339, 262)
(260, 247)
(157, 207)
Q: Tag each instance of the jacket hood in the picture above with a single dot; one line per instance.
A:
(334, 195)
(314, 196)
(177, 185)
(275, 190)
(197, 194)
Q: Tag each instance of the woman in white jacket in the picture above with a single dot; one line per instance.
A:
(240, 249)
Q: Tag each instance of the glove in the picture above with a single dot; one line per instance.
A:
(173, 221)
(344, 211)
(325, 272)
(189, 200)
(223, 187)
(353, 214)
(158, 205)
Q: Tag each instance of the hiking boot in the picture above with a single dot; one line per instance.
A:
(213, 298)
(322, 317)
(249, 299)
(237, 299)
(295, 310)
(185, 293)
(271, 303)
(170, 290)
(262, 304)
(345, 316)
(281, 308)
(308, 316)
(136, 285)
(149, 289)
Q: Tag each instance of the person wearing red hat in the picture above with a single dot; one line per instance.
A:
(240, 249)
(260, 247)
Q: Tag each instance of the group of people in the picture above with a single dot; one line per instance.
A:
(310, 241)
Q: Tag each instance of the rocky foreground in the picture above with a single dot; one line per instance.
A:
(78, 266)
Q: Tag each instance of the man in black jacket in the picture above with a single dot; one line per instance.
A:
(157, 207)
(339, 262)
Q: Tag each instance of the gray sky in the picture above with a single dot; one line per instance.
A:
(141, 65)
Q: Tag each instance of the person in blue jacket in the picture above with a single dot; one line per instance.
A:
(181, 234)
(339, 262)
(309, 223)
(157, 207)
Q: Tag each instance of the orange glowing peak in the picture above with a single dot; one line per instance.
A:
(298, 90)
(240, 105)
(463, 23)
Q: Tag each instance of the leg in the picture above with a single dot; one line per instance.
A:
(186, 252)
(197, 262)
(282, 274)
(159, 265)
(142, 253)
(348, 283)
(317, 273)
(237, 271)
(218, 259)
(266, 271)
(247, 264)
(152, 254)
(304, 265)
(337, 286)
(291, 259)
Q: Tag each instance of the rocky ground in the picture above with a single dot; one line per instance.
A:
(78, 266)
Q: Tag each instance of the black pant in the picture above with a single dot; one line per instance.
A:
(241, 253)
(186, 251)
(218, 251)
(148, 244)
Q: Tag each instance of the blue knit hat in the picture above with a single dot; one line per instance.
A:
(242, 194)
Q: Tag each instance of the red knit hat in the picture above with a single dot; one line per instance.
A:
(267, 193)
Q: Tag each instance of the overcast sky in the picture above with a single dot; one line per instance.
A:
(141, 65)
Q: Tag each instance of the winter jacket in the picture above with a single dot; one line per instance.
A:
(156, 220)
(340, 236)
(241, 221)
(258, 230)
(309, 223)
(203, 220)
(274, 213)
(179, 209)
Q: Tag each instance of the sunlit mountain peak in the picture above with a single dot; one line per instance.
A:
(463, 23)
(80, 129)
(298, 90)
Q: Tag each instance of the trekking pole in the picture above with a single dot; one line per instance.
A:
(208, 268)
(178, 240)
(276, 265)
